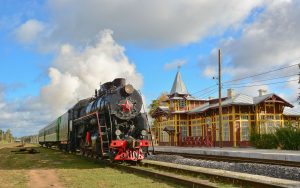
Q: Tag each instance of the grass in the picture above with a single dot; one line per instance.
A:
(72, 170)
(13, 178)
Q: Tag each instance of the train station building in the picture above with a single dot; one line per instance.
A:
(184, 120)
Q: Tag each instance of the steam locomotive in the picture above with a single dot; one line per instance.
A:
(108, 125)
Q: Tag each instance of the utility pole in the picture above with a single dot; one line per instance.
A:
(220, 106)
(299, 83)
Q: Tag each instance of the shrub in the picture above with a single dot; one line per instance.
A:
(288, 138)
(264, 141)
(254, 139)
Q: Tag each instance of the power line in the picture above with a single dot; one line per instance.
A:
(204, 89)
(250, 76)
(263, 80)
(208, 92)
(264, 84)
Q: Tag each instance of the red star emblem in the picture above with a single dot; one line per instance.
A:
(127, 106)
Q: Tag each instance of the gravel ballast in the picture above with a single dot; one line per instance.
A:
(276, 171)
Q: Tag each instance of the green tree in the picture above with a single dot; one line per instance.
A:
(158, 102)
(8, 135)
(1, 135)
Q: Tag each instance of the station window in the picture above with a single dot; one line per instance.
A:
(184, 131)
(245, 131)
(196, 131)
(182, 103)
(267, 127)
(225, 118)
(244, 117)
(165, 136)
(271, 127)
(278, 124)
(274, 126)
(181, 123)
(208, 120)
(226, 131)
(217, 131)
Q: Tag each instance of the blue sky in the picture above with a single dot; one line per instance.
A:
(55, 52)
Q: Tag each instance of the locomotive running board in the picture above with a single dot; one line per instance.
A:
(83, 117)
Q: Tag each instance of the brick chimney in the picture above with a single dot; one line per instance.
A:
(262, 92)
(230, 93)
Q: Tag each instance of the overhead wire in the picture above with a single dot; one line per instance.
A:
(262, 80)
(212, 91)
(208, 92)
(204, 89)
(265, 84)
(267, 72)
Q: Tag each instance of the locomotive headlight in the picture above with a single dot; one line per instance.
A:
(118, 132)
(129, 89)
(144, 132)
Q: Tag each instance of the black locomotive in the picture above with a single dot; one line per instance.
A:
(110, 124)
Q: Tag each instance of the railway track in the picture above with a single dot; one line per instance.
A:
(234, 159)
(174, 178)
(190, 176)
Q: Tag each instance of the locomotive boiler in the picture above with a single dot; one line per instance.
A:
(109, 124)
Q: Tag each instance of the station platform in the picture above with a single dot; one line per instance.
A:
(251, 153)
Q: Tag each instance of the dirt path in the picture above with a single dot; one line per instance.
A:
(43, 179)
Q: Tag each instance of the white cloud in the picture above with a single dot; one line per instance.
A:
(253, 90)
(61, 91)
(210, 71)
(29, 31)
(272, 40)
(74, 75)
(175, 64)
(160, 23)
(23, 116)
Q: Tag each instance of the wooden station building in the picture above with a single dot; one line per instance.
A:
(185, 120)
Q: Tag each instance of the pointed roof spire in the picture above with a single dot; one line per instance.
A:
(178, 85)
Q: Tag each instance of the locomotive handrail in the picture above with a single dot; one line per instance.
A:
(93, 113)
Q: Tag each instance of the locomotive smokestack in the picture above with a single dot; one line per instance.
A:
(96, 92)
(119, 82)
